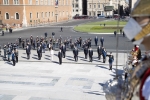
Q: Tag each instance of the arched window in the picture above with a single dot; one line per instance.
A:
(17, 16)
(7, 16)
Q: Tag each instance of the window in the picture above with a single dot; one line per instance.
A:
(41, 3)
(6, 16)
(30, 15)
(48, 2)
(30, 2)
(73, 5)
(5, 2)
(76, 5)
(49, 14)
(45, 2)
(42, 14)
(52, 2)
(94, 6)
(67, 2)
(98, 5)
(37, 2)
(73, 10)
(16, 2)
(90, 6)
(76, 0)
(16, 16)
(90, 13)
(77, 10)
(37, 15)
(45, 14)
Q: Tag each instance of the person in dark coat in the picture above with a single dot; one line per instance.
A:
(34, 44)
(13, 58)
(115, 33)
(104, 53)
(86, 52)
(23, 43)
(28, 52)
(45, 35)
(0, 50)
(39, 53)
(99, 51)
(102, 41)
(31, 40)
(5, 51)
(111, 59)
(63, 49)
(75, 52)
(61, 29)
(16, 55)
(20, 40)
(96, 40)
(90, 54)
(60, 56)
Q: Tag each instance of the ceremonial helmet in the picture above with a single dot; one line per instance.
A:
(138, 25)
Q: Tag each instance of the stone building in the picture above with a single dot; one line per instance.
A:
(96, 7)
(18, 13)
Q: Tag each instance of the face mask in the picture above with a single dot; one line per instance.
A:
(132, 29)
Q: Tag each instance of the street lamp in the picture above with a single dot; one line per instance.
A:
(117, 40)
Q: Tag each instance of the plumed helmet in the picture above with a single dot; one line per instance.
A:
(141, 8)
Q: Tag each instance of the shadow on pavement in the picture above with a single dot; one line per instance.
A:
(101, 67)
(70, 59)
(35, 55)
(9, 63)
(35, 58)
(84, 60)
(47, 58)
(94, 92)
(24, 57)
(48, 55)
(69, 56)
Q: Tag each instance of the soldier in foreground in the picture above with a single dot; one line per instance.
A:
(137, 30)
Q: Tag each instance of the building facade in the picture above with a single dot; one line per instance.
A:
(77, 7)
(96, 7)
(20, 13)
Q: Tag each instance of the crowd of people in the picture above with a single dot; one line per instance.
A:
(44, 43)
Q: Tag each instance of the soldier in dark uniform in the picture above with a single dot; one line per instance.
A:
(75, 52)
(86, 52)
(31, 40)
(28, 52)
(60, 56)
(99, 51)
(96, 40)
(63, 49)
(90, 54)
(39, 53)
(16, 55)
(20, 40)
(0, 50)
(5, 51)
(102, 41)
(23, 43)
(34, 44)
(80, 41)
